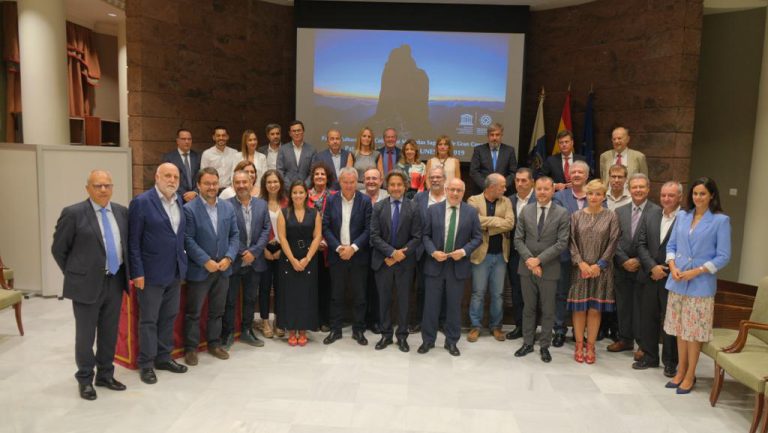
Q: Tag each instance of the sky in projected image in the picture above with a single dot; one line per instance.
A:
(460, 66)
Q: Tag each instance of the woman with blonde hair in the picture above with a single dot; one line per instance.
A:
(444, 158)
(366, 156)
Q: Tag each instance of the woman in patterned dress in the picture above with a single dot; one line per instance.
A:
(414, 169)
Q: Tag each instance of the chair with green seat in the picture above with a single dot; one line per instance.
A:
(8, 296)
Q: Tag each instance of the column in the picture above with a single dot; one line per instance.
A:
(122, 82)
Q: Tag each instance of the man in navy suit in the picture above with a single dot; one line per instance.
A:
(558, 166)
(90, 246)
(451, 234)
(523, 196)
(335, 156)
(212, 242)
(395, 236)
(158, 265)
(187, 161)
(346, 228)
(493, 157)
(253, 225)
(294, 159)
(390, 153)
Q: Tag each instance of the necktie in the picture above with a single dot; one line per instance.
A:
(543, 216)
(113, 265)
(635, 219)
(395, 223)
(391, 164)
(451, 231)
(618, 159)
(567, 171)
(495, 156)
(188, 170)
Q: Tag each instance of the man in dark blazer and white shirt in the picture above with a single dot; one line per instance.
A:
(158, 265)
(346, 228)
(493, 157)
(90, 245)
(295, 157)
(558, 166)
(335, 157)
(395, 236)
(188, 163)
(541, 234)
(520, 198)
(451, 233)
(389, 153)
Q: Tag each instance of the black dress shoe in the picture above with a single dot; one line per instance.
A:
(558, 340)
(110, 383)
(425, 347)
(375, 328)
(545, 356)
(172, 366)
(670, 370)
(515, 333)
(452, 349)
(333, 336)
(87, 392)
(402, 344)
(383, 343)
(148, 376)
(359, 336)
(644, 363)
(524, 350)
(415, 329)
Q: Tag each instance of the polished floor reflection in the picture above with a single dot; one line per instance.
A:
(349, 388)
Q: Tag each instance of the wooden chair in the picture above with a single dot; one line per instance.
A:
(8, 296)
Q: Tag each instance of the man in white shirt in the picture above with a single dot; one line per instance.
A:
(523, 196)
(294, 159)
(271, 149)
(221, 157)
(621, 154)
(618, 195)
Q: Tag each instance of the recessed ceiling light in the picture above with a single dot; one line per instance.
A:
(112, 14)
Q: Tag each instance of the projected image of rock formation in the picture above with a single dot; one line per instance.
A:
(404, 96)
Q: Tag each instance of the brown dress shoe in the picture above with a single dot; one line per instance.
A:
(266, 329)
(190, 357)
(218, 352)
(473, 335)
(498, 335)
(638, 354)
(620, 346)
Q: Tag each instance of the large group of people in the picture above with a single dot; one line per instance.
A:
(306, 229)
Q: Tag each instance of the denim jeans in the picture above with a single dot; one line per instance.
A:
(488, 274)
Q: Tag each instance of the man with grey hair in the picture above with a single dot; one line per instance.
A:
(489, 260)
(621, 154)
(493, 157)
(652, 251)
(390, 153)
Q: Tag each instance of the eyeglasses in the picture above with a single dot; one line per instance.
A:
(210, 184)
(102, 185)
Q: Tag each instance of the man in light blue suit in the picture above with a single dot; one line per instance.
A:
(212, 242)
(158, 264)
(451, 233)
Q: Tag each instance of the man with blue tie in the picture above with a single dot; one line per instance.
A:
(90, 246)
(158, 265)
(212, 242)
(493, 157)
(253, 225)
(451, 234)
(335, 156)
(390, 153)
(187, 161)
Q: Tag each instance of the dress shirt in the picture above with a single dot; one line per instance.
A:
(614, 203)
(623, 157)
(666, 223)
(538, 210)
(115, 230)
(336, 158)
(213, 214)
(224, 163)
(272, 157)
(580, 202)
(297, 152)
(432, 200)
(346, 216)
(448, 223)
(569, 159)
(171, 207)
(522, 201)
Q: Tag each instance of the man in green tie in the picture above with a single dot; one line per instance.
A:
(451, 233)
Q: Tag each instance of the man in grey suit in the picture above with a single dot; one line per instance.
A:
(295, 157)
(541, 235)
(395, 236)
(90, 245)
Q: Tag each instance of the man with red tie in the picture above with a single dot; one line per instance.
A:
(390, 153)
(558, 166)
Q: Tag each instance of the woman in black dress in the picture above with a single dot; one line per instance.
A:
(300, 232)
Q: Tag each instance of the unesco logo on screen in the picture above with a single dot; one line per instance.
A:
(486, 120)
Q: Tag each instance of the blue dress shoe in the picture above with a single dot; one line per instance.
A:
(681, 390)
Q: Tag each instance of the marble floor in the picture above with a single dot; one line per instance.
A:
(348, 388)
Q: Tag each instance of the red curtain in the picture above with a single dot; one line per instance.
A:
(83, 70)
(11, 64)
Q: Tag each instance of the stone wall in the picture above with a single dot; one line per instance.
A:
(200, 63)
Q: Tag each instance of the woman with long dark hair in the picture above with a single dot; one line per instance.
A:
(273, 192)
(321, 177)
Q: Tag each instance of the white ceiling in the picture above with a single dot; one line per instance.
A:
(94, 14)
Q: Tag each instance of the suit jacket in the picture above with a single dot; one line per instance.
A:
(468, 237)
(359, 228)
(261, 226)
(553, 166)
(651, 250)
(203, 243)
(635, 163)
(383, 155)
(514, 199)
(185, 183)
(327, 159)
(547, 247)
(627, 246)
(709, 245)
(501, 223)
(421, 199)
(289, 168)
(482, 165)
(408, 232)
(156, 252)
(78, 248)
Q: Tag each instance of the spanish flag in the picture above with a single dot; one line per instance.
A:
(565, 120)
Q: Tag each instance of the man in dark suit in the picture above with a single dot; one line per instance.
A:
(451, 234)
(558, 166)
(212, 242)
(395, 235)
(295, 157)
(346, 228)
(272, 148)
(158, 265)
(390, 153)
(90, 246)
(253, 225)
(523, 196)
(627, 263)
(188, 163)
(541, 234)
(493, 157)
(652, 250)
(335, 157)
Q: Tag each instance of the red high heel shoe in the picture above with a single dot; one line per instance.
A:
(591, 355)
(578, 352)
(292, 338)
(302, 338)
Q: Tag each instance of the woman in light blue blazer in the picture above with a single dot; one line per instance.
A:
(698, 247)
